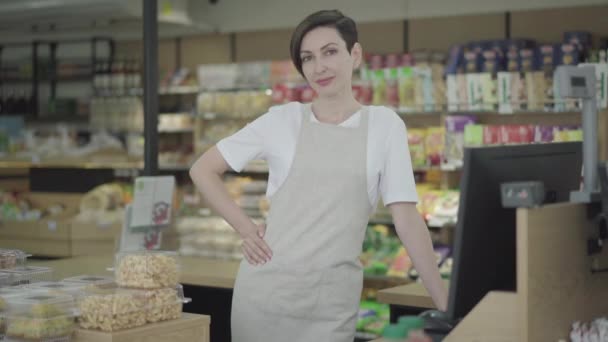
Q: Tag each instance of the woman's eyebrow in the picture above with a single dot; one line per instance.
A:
(323, 47)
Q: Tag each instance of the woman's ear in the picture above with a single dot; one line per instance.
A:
(357, 54)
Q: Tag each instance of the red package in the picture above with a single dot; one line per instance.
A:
(491, 135)
(376, 62)
(407, 60)
(392, 60)
(284, 93)
(307, 94)
(517, 134)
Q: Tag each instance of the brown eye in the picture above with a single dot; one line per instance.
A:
(306, 58)
(331, 52)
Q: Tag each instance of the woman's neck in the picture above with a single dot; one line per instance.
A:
(335, 110)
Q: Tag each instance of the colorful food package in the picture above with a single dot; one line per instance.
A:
(548, 55)
(392, 87)
(416, 141)
(505, 104)
(434, 145)
(406, 84)
(543, 134)
(454, 139)
(452, 93)
(285, 93)
(463, 96)
(491, 135)
(378, 87)
(400, 264)
(473, 135)
(536, 89)
(517, 134)
(474, 92)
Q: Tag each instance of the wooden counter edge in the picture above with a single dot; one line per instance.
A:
(187, 320)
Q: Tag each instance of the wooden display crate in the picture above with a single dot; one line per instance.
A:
(189, 328)
(60, 235)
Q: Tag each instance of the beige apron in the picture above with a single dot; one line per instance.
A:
(310, 290)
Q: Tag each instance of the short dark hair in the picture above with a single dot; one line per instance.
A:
(345, 26)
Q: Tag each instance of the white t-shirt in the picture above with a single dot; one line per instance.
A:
(274, 135)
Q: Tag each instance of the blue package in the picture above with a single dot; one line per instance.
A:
(493, 61)
(455, 60)
(473, 61)
(582, 39)
(547, 56)
(527, 60)
(569, 54)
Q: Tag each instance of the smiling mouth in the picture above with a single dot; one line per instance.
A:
(325, 81)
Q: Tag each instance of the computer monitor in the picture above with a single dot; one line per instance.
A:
(484, 257)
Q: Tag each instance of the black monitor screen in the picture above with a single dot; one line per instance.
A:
(484, 244)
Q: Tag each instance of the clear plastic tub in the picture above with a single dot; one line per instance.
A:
(5, 279)
(11, 258)
(89, 280)
(147, 269)
(110, 308)
(5, 294)
(40, 316)
(29, 274)
(59, 288)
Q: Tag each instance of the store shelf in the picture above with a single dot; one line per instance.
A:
(178, 90)
(175, 130)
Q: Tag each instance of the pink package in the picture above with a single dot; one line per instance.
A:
(491, 135)
(517, 134)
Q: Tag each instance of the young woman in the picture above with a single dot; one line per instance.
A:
(329, 161)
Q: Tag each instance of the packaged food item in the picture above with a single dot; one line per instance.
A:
(391, 77)
(92, 280)
(474, 92)
(29, 274)
(406, 80)
(111, 308)
(491, 135)
(473, 135)
(5, 294)
(434, 145)
(59, 288)
(401, 263)
(463, 92)
(38, 315)
(535, 87)
(453, 101)
(415, 139)
(147, 269)
(378, 86)
(517, 134)
(11, 258)
(454, 139)
(549, 57)
(543, 134)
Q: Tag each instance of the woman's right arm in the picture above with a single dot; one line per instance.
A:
(206, 173)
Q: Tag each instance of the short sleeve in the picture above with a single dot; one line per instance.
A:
(248, 143)
(397, 182)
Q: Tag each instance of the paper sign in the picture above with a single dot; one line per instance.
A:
(130, 240)
(152, 201)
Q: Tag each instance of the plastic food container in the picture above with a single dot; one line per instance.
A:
(5, 294)
(89, 280)
(40, 316)
(5, 279)
(59, 288)
(111, 308)
(147, 269)
(29, 274)
(11, 258)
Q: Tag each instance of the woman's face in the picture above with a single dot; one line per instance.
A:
(326, 62)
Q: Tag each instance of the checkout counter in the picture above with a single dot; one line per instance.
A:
(555, 283)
